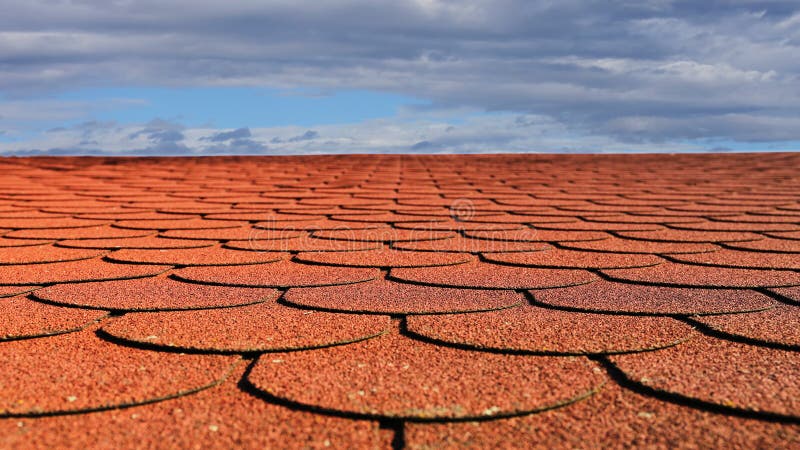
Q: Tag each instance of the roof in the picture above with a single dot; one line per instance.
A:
(401, 301)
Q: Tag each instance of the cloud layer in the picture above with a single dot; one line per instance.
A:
(477, 134)
(624, 72)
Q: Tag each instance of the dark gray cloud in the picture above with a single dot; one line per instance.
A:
(307, 136)
(236, 142)
(163, 137)
(636, 70)
(222, 136)
(160, 131)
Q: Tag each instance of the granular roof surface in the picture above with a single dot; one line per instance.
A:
(487, 301)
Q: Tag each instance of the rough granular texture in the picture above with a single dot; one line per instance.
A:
(6, 242)
(79, 372)
(400, 301)
(418, 380)
(609, 297)
(455, 225)
(203, 256)
(297, 224)
(530, 329)
(689, 236)
(44, 254)
(735, 226)
(221, 417)
(671, 274)
(231, 234)
(572, 259)
(74, 272)
(383, 257)
(788, 235)
(593, 226)
(93, 232)
(469, 245)
(538, 235)
(152, 294)
(282, 274)
(790, 293)
(742, 259)
(389, 297)
(720, 372)
(10, 291)
(40, 223)
(383, 235)
(768, 245)
(617, 245)
(192, 224)
(780, 325)
(147, 242)
(256, 328)
(481, 275)
(23, 318)
(301, 244)
(614, 417)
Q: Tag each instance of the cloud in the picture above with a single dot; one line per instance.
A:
(232, 142)
(307, 136)
(628, 71)
(480, 133)
(239, 133)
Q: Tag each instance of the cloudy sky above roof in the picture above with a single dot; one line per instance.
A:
(267, 77)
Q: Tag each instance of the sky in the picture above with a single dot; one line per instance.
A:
(200, 77)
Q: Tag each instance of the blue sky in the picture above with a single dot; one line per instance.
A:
(289, 77)
(234, 107)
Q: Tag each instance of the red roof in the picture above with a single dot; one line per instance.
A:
(491, 301)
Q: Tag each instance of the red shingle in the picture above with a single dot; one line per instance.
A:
(152, 294)
(282, 274)
(614, 417)
(10, 291)
(617, 245)
(74, 272)
(183, 224)
(302, 244)
(44, 254)
(779, 325)
(418, 380)
(204, 256)
(532, 329)
(47, 223)
(537, 235)
(147, 242)
(689, 236)
(93, 233)
(571, 259)
(256, 328)
(729, 374)
(384, 257)
(469, 245)
(382, 235)
(603, 296)
(742, 259)
(80, 372)
(671, 274)
(22, 318)
(231, 234)
(481, 275)
(388, 297)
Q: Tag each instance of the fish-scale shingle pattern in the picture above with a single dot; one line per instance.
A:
(492, 301)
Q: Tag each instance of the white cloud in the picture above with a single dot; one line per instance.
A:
(478, 134)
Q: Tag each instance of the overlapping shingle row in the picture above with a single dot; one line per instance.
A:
(400, 301)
